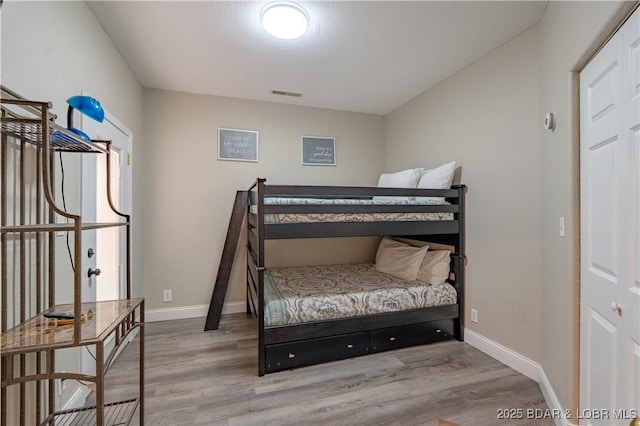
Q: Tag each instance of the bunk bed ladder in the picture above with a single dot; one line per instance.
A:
(226, 262)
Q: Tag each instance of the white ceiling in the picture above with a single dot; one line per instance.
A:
(356, 56)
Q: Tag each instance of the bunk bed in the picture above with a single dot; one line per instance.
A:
(289, 340)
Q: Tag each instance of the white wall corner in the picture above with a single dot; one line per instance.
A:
(552, 400)
(184, 312)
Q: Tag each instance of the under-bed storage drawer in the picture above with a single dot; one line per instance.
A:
(410, 335)
(305, 352)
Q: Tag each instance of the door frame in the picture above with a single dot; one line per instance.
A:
(126, 179)
(88, 175)
(617, 21)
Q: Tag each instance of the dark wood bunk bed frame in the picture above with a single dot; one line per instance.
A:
(295, 345)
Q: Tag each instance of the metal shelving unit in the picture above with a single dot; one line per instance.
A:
(29, 340)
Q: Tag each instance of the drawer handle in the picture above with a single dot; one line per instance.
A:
(291, 355)
(349, 346)
(392, 338)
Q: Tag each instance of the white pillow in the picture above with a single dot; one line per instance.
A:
(438, 178)
(403, 179)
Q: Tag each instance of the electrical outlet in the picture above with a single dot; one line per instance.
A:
(474, 315)
(167, 296)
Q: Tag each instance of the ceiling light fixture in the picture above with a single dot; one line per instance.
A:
(285, 20)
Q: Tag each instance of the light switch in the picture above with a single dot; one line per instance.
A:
(562, 226)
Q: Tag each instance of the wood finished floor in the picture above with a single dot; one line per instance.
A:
(198, 378)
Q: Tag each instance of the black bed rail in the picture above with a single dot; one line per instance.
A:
(358, 208)
(362, 229)
(259, 190)
(355, 192)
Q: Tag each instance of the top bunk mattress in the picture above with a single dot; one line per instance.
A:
(315, 293)
(355, 217)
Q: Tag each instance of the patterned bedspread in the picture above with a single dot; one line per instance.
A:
(314, 293)
(354, 217)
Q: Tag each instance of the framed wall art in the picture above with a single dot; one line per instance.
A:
(237, 145)
(318, 151)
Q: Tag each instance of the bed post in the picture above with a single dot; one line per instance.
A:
(261, 268)
(459, 264)
(462, 189)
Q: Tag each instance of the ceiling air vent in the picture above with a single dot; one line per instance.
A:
(283, 93)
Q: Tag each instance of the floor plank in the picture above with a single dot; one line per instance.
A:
(198, 378)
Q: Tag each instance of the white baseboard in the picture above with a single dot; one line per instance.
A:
(503, 354)
(184, 312)
(552, 400)
(524, 366)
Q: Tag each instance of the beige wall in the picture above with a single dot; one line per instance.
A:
(522, 276)
(570, 31)
(486, 118)
(189, 193)
(51, 51)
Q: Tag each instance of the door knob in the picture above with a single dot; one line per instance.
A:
(95, 272)
(616, 307)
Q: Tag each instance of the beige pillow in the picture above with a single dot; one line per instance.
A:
(385, 244)
(435, 267)
(431, 244)
(399, 259)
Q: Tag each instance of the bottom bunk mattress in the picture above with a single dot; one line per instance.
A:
(315, 293)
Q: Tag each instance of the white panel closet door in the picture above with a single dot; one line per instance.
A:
(610, 227)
